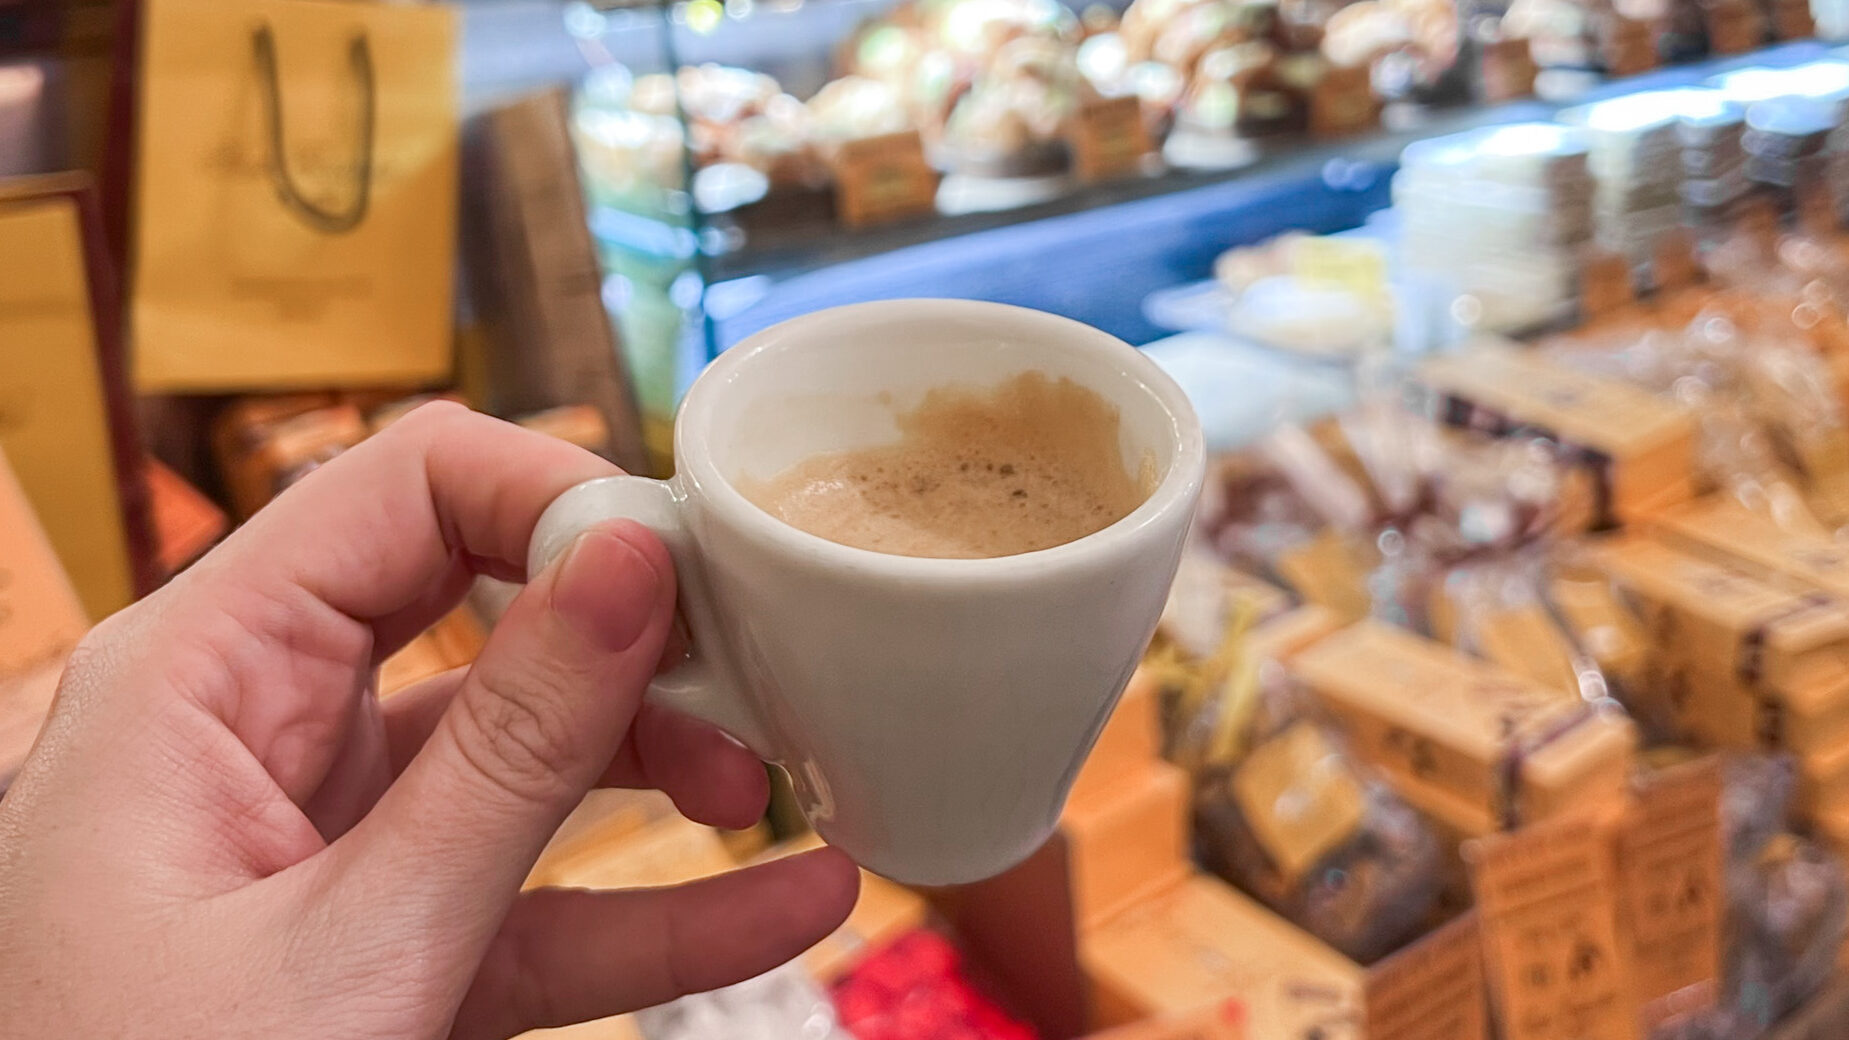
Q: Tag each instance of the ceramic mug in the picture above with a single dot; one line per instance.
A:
(931, 713)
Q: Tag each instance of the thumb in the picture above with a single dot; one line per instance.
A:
(534, 724)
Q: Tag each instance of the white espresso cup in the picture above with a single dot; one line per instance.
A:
(931, 713)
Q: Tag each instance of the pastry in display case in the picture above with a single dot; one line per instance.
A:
(1410, 46)
(1011, 121)
(854, 108)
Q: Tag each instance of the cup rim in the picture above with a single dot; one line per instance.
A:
(1176, 490)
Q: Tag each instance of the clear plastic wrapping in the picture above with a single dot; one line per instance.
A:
(1788, 902)
(1286, 814)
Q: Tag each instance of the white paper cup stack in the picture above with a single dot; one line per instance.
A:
(1502, 215)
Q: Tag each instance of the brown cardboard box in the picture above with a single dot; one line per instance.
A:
(66, 420)
(1131, 739)
(1638, 447)
(1127, 842)
(1737, 661)
(1721, 528)
(1449, 729)
(1603, 626)
(1823, 781)
(1206, 943)
(1431, 990)
(1122, 839)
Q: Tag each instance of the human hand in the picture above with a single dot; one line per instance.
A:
(222, 832)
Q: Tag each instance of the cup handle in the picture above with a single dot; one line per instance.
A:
(699, 686)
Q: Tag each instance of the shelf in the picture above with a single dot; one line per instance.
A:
(804, 247)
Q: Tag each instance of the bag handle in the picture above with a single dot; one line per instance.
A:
(322, 218)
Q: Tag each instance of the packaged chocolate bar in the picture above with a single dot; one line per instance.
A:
(1638, 450)
(1471, 743)
(1734, 661)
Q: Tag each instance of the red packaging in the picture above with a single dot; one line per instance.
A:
(915, 989)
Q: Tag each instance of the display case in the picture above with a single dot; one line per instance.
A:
(748, 160)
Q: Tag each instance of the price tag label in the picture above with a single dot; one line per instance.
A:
(1547, 906)
(1299, 805)
(1108, 139)
(1356, 264)
(1670, 891)
(881, 179)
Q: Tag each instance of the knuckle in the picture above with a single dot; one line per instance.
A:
(519, 735)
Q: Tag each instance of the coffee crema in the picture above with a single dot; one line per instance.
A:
(1029, 464)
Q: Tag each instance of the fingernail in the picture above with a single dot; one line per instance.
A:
(606, 588)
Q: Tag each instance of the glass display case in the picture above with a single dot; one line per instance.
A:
(747, 160)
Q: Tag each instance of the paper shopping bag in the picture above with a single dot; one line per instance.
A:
(294, 194)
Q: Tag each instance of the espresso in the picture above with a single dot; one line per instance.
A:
(1029, 464)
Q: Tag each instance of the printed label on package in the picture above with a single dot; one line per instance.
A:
(1547, 909)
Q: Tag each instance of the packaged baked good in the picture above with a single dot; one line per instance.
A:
(1470, 743)
(1302, 826)
(855, 108)
(1011, 121)
(1787, 898)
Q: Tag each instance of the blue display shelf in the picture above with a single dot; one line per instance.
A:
(1096, 255)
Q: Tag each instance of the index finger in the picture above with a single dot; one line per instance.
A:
(390, 533)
